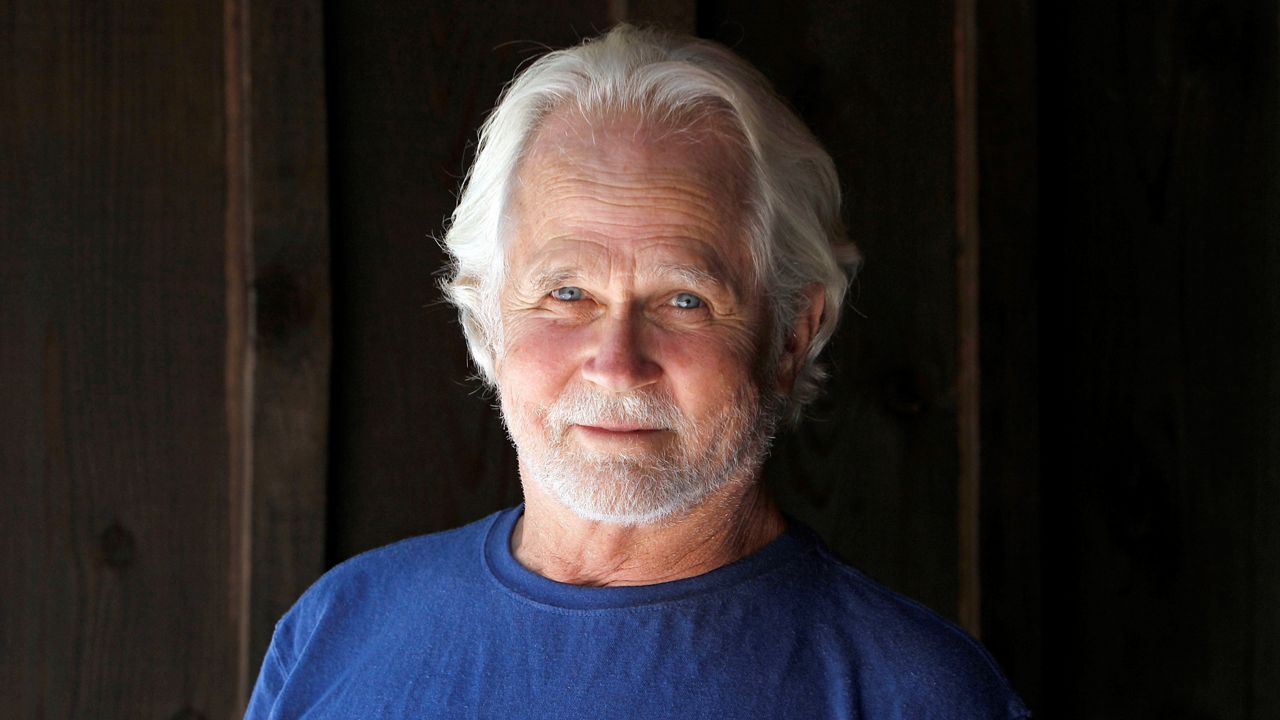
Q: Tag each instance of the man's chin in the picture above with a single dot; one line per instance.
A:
(622, 517)
(620, 493)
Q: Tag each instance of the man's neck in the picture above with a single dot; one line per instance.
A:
(554, 542)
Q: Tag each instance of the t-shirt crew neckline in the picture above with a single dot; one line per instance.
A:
(516, 578)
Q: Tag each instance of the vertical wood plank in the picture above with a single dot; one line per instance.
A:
(1159, 164)
(115, 461)
(288, 298)
(1008, 201)
(1264, 115)
(239, 334)
(968, 391)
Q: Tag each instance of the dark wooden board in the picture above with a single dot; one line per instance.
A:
(1160, 360)
(290, 268)
(1008, 182)
(115, 519)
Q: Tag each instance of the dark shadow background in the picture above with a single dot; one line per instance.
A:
(225, 364)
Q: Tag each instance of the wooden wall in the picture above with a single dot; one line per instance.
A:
(1160, 358)
(225, 363)
(1009, 323)
(115, 459)
(164, 349)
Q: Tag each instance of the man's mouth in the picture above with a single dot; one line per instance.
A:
(611, 437)
(605, 428)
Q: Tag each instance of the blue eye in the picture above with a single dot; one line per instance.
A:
(686, 301)
(567, 293)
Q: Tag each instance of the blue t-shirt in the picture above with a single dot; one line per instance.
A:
(450, 625)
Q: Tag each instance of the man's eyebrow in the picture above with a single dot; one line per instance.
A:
(694, 275)
(548, 279)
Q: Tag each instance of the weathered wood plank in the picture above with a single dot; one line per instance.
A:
(1160, 141)
(968, 333)
(112, 318)
(1010, 505)
(289, 270)
(239, 371)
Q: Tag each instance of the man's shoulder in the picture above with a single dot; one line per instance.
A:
(402, 569)
(428, 551)
(905, 649)
(867, 603)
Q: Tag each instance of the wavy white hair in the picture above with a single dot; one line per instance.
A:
(796, 232)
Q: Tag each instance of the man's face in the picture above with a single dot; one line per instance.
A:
(632, 328)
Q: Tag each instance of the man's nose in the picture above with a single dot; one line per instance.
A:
(620, 361)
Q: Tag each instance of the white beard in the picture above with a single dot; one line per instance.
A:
(638, 487)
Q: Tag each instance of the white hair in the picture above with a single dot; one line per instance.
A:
(796, 232)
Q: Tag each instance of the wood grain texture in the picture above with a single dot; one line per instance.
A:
(416, 446)
(1160, 213)
(1008, 201)
(112, 320)
(968, 331)
(875, 468)
(289, 270)
(240, 356)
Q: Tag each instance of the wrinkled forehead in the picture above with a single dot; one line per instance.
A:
(695, 162)
(702, 138)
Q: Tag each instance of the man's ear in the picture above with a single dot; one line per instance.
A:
(803, 329)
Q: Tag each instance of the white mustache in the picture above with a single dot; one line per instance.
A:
(580, 406)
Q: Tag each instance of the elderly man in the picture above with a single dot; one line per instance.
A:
(648, 256)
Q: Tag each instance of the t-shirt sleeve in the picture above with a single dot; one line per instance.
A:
(272, 676)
